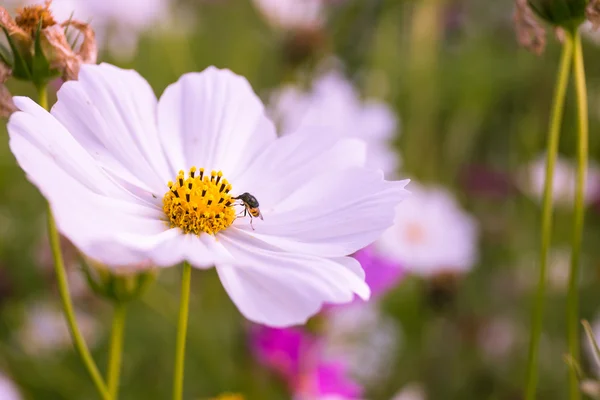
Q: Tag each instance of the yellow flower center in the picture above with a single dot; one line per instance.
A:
(29, 18)
(199, 203)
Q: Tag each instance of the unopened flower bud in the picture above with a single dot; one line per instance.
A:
(119, 285)
(40, 48)
(568, 14)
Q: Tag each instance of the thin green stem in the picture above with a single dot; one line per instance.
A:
(116, 349)
(63, 288)
(578, 213)
(560, 89)
(184, 304)
(43, 97)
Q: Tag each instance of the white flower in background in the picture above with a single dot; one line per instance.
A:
(8, 389)
(412, 391)
(45, 330)
(292, 14)
(532, 177)
(431, 234)
(135, 181)
(117, 24)
(365, 339)
(334, 107)
(587, 28)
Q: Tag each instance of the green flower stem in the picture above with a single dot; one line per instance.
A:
(63, 288)
(116, 349)
(560, 89)
(184, 305)
(578, 213)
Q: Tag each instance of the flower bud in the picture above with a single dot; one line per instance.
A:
(40, 48)
(567, 14)
(118, 285)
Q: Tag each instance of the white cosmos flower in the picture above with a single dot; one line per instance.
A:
(334, 107)
(104, 158)
(292, 14)
(431, 234)
(532, 176)
(8, 389)
(412, 391)
(365, 338)
(45, 330)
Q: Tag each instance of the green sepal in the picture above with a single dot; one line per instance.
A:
(20, 70)
(568, 14)
(40, 66)
(117, 287)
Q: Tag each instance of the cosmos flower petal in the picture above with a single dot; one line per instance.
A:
(335, 214)
(213, 120)
(37, 130)
(334, 107)
(166, 248)
(77, 209)
(293, 160)
(112, 113)
(281, 289)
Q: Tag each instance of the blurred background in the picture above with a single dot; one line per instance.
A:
(443, 95)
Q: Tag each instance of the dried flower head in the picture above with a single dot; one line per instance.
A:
(31, 18)
(41, 49)
(529, 32)
(592, 13)
(7, 107)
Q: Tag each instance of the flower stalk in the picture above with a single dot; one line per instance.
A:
(116, 349)
(560, 89)
(578, 212)
(184, 304)
(63, 288)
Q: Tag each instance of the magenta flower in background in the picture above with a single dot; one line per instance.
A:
(305, 361)
(296, 357)
(381, 273)
(329, 380)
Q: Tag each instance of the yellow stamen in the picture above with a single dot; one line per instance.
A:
(199, 203)
(29, 18)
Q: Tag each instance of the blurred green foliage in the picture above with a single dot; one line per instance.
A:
(468, 98)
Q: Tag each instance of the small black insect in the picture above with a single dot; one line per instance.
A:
(250, 206)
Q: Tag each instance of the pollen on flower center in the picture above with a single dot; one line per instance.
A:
(29, 18)
(199, 203)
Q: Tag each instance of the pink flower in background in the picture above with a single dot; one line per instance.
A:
(296, 357)
(323, 366)
(381, 273)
